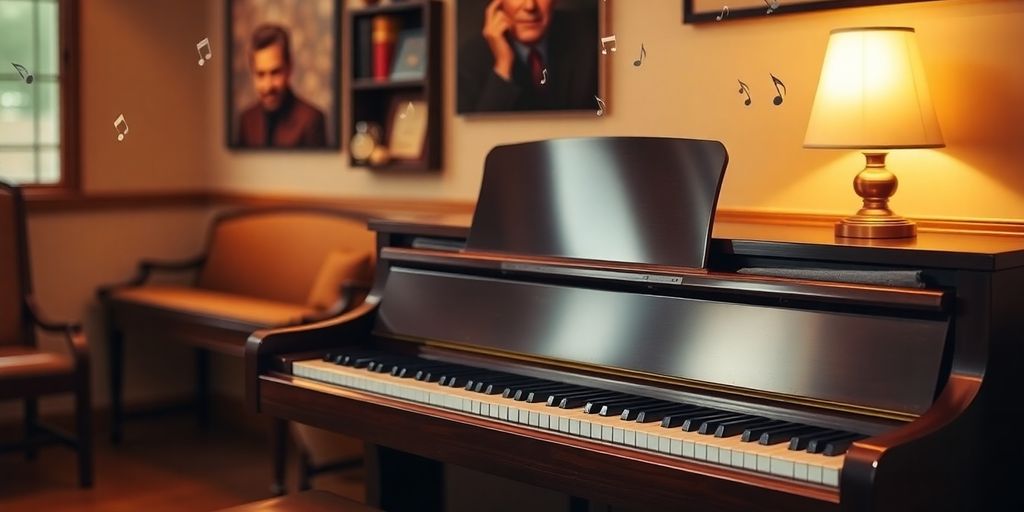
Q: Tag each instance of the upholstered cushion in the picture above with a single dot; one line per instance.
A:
(338, 267)
(18, 362)
(217, 304)
(277, 255)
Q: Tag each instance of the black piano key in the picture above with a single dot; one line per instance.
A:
(521, 394)
(677, 417)
(457, 378)
(839, 446)
(784, 435)
(541, 397)
(799, 442)
(498, 386)
(594, 406)
(409, 371)
(693, 423)
(708, 427)
(357, 361)
(737, 427)
(477, 384)
(817, 445)
(575, 401)
(510, 391)
(616, 409)
(652, 414)
(751, 434)
(435, 374)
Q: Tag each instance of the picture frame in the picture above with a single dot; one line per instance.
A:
(407, 127)
(700, 11)
(283, 92)
(410, 55)
(570, 72)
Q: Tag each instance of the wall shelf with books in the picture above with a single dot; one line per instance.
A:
(394, 76)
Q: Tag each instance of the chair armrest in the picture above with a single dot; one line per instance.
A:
(72, 332)
(146, 268)
(348, 298)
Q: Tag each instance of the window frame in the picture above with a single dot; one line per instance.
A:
(69, 184)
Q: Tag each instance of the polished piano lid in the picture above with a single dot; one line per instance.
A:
(630, 199)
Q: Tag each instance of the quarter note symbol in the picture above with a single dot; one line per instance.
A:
(744, 89)
(643, 54)
(778, 99)
(725, 13)
(205, 43)
(117, 126)
(605, 41)
(25, 75)
(600, 105)
(544, 76)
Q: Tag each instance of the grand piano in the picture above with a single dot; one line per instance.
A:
(590, 333)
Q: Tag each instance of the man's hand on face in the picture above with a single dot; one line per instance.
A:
(496, 24)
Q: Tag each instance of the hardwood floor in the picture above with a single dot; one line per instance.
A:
(164, 464)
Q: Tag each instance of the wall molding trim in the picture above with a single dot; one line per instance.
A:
(43, 201)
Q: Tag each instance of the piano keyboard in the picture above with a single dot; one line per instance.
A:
(758, 444)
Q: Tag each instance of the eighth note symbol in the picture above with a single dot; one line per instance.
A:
(744, 89)
(772, 5)
(604, 41)
(600, 106)
(544, 76)
(209, 51)
(117, 126)
(409, 109)
(643, 53)
(777, 82)
(25, 75)
(725, 13)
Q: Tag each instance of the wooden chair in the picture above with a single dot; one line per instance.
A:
(26, 371)
(262, 268)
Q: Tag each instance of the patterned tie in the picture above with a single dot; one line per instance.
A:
(536, 67)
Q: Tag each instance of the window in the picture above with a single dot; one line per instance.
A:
(34, 143)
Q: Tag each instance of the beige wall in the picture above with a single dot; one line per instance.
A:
(687, 88)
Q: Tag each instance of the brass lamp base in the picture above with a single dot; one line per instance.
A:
(875, 184)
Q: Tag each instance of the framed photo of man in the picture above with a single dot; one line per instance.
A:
(530, 55)
(282, 68)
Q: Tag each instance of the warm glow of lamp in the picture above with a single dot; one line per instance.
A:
(873, 96)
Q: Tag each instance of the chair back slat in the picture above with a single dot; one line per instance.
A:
(14, 268)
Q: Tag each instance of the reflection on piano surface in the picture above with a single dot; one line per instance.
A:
(609, 349)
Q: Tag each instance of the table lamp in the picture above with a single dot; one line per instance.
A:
(873, 96)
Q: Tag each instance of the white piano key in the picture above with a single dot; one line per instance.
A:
(782, 467)
(800, 471)
(618, 435)
(725, 456)
(736, 460)
(574, 427)
(652, 442)
(585, 428)
(814, 474)
(563, 425)
(830, 476)
(629, 437)
(712, 453)
(676, 447)
(700, 451)
(664, 445)
(641, 439)
(503, 412)
(533, 418)
(689, 449)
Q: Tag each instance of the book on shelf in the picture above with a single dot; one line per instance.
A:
(363, 47)
(385, 32)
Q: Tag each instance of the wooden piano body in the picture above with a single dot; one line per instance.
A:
(927, 377)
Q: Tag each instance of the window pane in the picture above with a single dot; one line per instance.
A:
(49, 35)
(17, 166)
(16, 114)
(49, 165)
(49, 112)
(16, 34)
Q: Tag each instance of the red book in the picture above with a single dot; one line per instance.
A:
(385, 31)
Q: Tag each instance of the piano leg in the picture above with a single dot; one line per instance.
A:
(279, 434)
(398, 481)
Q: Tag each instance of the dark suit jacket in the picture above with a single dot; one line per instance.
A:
(571, 64)
(296, 124)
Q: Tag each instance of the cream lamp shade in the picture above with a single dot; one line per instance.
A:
(872, 93)
(873, 96)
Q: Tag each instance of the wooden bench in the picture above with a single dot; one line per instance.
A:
(261, 268)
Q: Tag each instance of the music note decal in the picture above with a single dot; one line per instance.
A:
(605, 42)
(772, 5)
(778, 99)
(409, 110)
(725, 13)
(205, 43)
(25, 75)
(643, 54)
(544, 76)
(120, 121)
(600, 106)
(744, 89)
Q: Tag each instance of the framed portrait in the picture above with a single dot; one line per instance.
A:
(697, 11)
(530, 55)
(282, 68)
